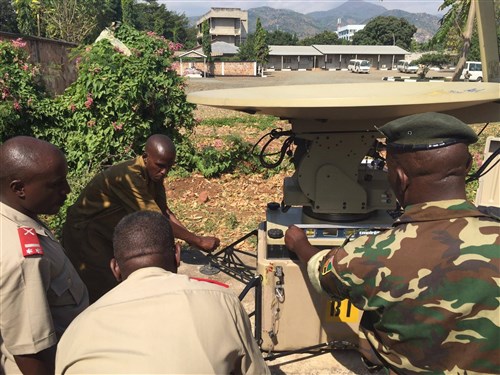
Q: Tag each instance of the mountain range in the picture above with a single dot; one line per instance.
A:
(352, 12)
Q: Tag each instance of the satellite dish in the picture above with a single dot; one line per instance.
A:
(355, 107)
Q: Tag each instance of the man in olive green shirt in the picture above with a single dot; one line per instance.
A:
(130, 186)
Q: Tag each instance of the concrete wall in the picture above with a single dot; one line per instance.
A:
(221, 68)
(58, 71)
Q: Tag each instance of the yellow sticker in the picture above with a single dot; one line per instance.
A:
(342, 312)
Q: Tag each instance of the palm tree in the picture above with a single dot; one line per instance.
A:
(461, 15)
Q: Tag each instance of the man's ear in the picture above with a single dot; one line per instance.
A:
(403, 180)
(145, 157)
(115, 269)
(17, 186)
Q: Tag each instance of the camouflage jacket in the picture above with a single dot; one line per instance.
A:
(428, 287)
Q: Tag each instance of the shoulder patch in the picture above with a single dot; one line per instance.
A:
(327, 266)
(30, 244)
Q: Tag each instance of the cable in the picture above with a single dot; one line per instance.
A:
(482, 170)
(274, 134)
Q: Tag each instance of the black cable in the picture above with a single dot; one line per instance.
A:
(482, 170)
(274, 134)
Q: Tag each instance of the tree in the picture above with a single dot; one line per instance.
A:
(7, 17)
(261, 47)
(325, 37)
(26, 17)
(206, 40)
(151, 16)
(458, 22)
(128, 11)
(386, 31)
(431, 59)
(70, 20)
(282, 38)
(246, 52)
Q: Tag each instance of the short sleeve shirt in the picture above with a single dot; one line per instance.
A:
(117, 191)
(39, 294)
(158, 322)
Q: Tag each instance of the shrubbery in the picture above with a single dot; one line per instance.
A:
(20, 91)
(117, 101)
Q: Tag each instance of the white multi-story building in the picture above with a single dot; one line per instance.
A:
(346, 32)
(228, 25)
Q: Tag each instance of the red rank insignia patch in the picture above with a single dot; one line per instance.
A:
(30, 244)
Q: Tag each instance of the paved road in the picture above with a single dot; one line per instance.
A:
(296, 78)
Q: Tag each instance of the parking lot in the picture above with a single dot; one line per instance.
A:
(300, 78)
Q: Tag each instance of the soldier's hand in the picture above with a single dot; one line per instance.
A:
(207, 244)
(295, 238)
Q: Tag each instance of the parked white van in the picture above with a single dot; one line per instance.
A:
(405, 66)
(474, 70)
(350, 66)
(359, 66)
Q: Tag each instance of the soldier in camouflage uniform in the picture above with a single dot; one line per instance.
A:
(428, 286)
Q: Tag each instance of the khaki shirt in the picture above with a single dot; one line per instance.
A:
(121, 189)
(39, 294)
(160, 322)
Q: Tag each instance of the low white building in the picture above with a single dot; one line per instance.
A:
(332, 57)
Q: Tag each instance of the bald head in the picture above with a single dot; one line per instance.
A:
(159, 144)
(33, 176)
(144, 239)
(24, 157)
(159, 156)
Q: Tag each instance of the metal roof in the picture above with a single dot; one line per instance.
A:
(293, 51)
(326, 49)
(221, 48)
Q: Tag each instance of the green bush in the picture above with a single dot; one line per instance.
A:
(118, 101)
(20, 90)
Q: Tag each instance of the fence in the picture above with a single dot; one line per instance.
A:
(58, 70)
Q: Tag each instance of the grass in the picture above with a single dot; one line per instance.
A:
(477, 152)
(260, 122)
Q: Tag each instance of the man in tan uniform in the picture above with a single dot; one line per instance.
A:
(40, 291)
(156, 321)
(127, 187)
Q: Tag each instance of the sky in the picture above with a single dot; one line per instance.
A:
(199, 7)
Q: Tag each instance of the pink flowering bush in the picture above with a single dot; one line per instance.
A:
(117, 101)
(20, 91)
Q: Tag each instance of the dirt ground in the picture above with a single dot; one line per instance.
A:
(231, 206)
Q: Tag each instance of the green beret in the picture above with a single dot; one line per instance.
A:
(426, 131)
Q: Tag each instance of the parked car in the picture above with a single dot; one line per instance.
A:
(473, 70)
(359, 66)
(405, 66)
(350, 66)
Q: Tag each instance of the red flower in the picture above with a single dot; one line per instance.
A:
(89, 101)
(117, 127)
(18, 43)
(16, 105)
